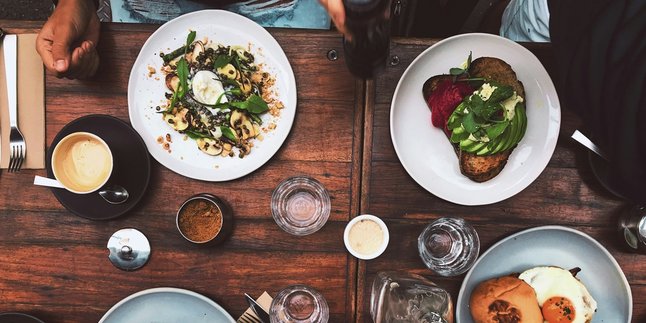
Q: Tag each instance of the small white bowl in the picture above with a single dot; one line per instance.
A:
(384, 229)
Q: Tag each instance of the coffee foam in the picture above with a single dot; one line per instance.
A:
(82, 162)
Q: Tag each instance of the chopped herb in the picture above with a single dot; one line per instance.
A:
(221, 61)
(253, 104)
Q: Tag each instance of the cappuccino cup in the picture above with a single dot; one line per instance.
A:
(82, 162)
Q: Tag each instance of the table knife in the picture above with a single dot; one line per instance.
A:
(260, 312)
(1, 39)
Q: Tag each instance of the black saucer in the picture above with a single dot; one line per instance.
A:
(18, 318)
(600, 170)
(131, 167)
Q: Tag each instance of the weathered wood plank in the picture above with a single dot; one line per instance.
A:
(57, 267)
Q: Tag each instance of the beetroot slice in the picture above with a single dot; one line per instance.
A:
(444, 99)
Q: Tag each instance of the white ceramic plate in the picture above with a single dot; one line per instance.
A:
(145, 92)
(426, 153)
(166, 305)
(555, 246)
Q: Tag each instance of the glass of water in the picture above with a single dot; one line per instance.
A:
(408, 298)
(299, 304)
(300, 205)
(449, 246)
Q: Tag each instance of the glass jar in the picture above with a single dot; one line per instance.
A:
(402, 297)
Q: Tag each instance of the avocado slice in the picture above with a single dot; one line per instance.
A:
(502, 140)
(477, 145)
(520, 124)
(466, 143)
(522, 118)
(514, 130)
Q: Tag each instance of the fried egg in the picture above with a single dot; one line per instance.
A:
(562, 297)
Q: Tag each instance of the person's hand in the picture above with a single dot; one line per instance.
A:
(67, 41)
(337, 12)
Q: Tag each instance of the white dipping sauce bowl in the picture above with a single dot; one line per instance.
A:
(380, 250)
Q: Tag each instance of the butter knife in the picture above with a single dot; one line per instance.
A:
(260, 312)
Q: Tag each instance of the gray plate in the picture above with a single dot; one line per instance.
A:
(555, 246)
(166, 305)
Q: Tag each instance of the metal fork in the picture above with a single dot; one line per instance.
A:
(17, 146)
(248, 318)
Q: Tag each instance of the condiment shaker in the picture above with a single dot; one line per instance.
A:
(367, 45)
(632, 228)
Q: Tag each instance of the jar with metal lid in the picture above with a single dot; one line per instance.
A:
(632, 228)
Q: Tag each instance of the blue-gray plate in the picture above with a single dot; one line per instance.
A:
(555, 246)
(166, 305)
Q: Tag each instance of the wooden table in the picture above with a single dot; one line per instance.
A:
(54, 265)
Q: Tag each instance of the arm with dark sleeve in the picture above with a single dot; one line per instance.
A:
(600, 46)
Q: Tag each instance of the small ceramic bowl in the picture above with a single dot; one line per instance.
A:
(366, 234)
(218, 233)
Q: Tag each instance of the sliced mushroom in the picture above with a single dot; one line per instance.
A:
(228, 71)
(198, 49)
(177, 121)
(241, 123)
(245, 86)
(172, 82)
(237, 117)
(247, 129)
(209, 146)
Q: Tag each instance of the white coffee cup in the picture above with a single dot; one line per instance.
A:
(82, 162)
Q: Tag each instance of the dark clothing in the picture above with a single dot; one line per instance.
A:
(600, 47)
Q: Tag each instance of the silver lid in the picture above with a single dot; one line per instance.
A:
(129, 249)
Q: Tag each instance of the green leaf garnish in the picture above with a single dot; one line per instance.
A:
(228, 133)
(196, 135)
(189, 40)
(501, 93)
(253, 104)
(221, 61)
(469, 123)
(456, 71)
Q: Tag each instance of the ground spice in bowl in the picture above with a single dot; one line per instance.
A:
(199, 220)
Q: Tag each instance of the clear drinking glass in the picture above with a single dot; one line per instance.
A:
(449, 246)
(300, 205)
(299, 304)
(407, 298)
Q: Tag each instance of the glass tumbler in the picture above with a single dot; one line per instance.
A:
(401, 297)
(299, 304)
(449, 246)
(300, 205)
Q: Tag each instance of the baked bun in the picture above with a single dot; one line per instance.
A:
(505, 299)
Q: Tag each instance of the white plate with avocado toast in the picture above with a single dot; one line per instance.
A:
(427, 154)
(213, 147)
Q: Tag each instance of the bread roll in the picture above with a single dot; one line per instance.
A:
(505, 299)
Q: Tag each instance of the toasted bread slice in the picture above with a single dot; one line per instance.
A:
(482, 168)
(495, 69)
